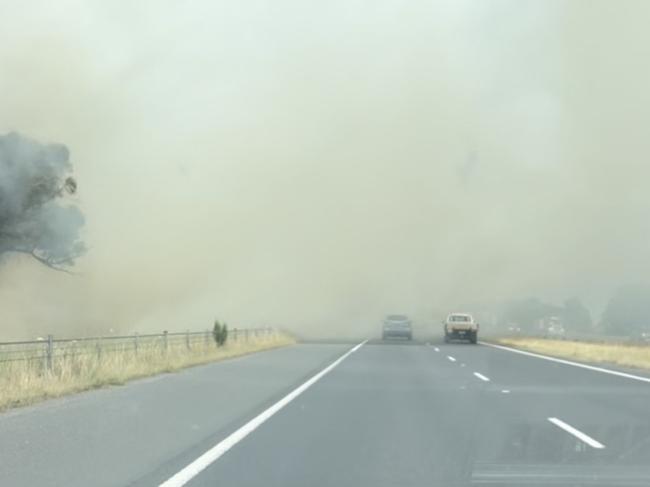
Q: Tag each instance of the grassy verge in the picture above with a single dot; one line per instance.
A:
(626, 355)
(23, 383)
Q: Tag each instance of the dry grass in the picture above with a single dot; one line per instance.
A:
(626, 355)
(23, 383)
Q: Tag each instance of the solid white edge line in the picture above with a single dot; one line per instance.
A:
(569, 362)
(577, 433)
(201, 463)
(451, 358)
(481, 376)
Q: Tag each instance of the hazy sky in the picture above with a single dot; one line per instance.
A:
(316, 164)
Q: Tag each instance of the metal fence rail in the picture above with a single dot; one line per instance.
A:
(47, 351)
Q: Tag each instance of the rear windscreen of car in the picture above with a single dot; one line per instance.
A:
(460, 319)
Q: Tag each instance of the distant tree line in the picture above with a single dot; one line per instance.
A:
(528, 312)
(627, 313)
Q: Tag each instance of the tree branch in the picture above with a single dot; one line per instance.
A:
(52, 265)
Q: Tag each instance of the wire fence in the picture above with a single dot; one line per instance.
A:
(47, 350)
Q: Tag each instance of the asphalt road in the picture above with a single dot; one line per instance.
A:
(386, 414)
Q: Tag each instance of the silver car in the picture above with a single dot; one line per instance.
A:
(397, 326)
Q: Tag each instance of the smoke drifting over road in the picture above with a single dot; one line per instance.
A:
(317, 167)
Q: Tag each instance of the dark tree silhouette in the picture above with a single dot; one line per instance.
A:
(35, 219)
(576, 316)
(628, 311)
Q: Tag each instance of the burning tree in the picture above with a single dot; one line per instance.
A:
(34, 217)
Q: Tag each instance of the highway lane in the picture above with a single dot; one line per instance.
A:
(462, 415)
(391, 413)
(116, 436)
(611, 410)
(387, 415)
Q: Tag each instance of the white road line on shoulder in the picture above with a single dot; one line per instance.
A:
(201, 463)
(577, 433)
(569, 362)
(505, 391)
(436, 349)
(482, 377)
(451, 358)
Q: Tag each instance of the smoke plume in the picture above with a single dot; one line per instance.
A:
(316, 167)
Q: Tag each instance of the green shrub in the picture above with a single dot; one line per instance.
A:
(220, 333)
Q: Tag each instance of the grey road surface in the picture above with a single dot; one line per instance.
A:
(389, 414)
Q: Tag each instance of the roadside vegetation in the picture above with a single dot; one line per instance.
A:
(26, 382)
(623, 354)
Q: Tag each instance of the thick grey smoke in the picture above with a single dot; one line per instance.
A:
(319, 166)
(33, 178)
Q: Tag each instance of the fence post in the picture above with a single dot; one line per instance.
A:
(187, 339)
(99, 348)
(165, 341)
(234, 334)
(48, 352)
(246, 335)
(135, 342)
(207, 338)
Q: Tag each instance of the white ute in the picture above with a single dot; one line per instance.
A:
(460, 326)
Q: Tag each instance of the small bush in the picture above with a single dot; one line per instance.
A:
(220, 333)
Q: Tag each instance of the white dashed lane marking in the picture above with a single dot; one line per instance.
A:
(577, 433)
